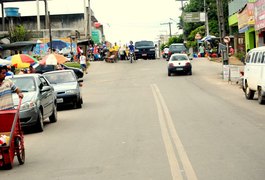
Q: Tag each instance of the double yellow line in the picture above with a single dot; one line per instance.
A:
(179, 162)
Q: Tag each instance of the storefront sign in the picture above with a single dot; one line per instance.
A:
(246, 18)
(259, 9)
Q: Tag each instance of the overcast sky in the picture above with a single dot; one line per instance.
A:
(123, 20)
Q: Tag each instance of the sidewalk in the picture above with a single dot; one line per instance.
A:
(234, 62)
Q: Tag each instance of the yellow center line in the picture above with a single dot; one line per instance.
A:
(173, 163)
(171, 131)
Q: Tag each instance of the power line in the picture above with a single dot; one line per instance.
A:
(169, 25)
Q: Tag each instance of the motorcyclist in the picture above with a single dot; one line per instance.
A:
(131, 48)
(166, 50)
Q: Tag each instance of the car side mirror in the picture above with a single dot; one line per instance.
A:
(45, 88)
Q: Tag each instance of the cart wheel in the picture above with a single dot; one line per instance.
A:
(20, 151)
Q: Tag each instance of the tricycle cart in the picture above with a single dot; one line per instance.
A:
(10, 128)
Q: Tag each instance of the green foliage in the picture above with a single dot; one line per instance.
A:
(190, 29)
(173, 39)
(191, 41)
(240, 55)
(74, 64)
(19, 33)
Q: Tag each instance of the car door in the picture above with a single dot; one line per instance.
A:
(47, 97)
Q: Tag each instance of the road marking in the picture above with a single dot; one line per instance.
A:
(168, 130)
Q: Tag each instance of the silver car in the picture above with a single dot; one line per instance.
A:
(39, 102)
(66, 86)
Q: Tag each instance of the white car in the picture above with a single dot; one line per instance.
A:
(179, 63)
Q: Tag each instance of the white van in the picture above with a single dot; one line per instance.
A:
(254, 74)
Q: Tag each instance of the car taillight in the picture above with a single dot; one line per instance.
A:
(169, 53)
(187, 64)
(171, 65)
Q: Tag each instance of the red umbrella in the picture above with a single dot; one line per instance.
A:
(22, 60)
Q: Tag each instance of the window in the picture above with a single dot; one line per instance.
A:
(263, 58)
(249, 55)
(254, 58)
(44, 82)
(259, 57)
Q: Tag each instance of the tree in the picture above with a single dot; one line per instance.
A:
(19, 33)
(198, 6)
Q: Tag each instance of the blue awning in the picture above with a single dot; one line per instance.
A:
(244, 29)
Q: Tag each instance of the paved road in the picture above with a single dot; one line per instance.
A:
(138, 123)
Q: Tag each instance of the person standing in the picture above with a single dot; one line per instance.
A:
(6, 89)
(202, 50)
(83, 63)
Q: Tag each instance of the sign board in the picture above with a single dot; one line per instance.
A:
(234, 73)
(226, 72)
(231, 73)
(194, 17)
(226, 39)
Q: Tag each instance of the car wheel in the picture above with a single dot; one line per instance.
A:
(261, 99)
(39, 127)
(53, 117)
(20, 151)
(249, 93)
(169, 73)
(190, 72)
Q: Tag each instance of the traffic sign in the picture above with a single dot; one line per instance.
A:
(226, 39)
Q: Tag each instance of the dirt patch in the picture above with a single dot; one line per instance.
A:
(232, 60)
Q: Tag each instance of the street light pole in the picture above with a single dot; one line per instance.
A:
(206, 19)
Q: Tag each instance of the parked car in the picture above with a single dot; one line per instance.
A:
(39, 100)
(145, 50)
(78, 72)
(67, 87)
(176, 48)
(179, 63)
(46, 68)
(254, 74)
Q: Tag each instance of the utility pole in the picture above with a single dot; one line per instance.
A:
(169, 24)
(206, 19)
(38, 15)
(220, 14)
(85, 19)
(89, 19)
(50, 32)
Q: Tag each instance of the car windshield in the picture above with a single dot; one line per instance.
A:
(178, 48)
(144, 43)
(179, 58)
(61, 77)
(25, 84)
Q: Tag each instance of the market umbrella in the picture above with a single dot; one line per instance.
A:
(208, 37)
(22, 60)
(53, 59)
(57, 44)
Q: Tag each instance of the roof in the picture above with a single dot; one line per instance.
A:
(21, 45)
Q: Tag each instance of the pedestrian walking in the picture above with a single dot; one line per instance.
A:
(83, 63)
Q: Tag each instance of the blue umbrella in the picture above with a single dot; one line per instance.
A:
(57, 44)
